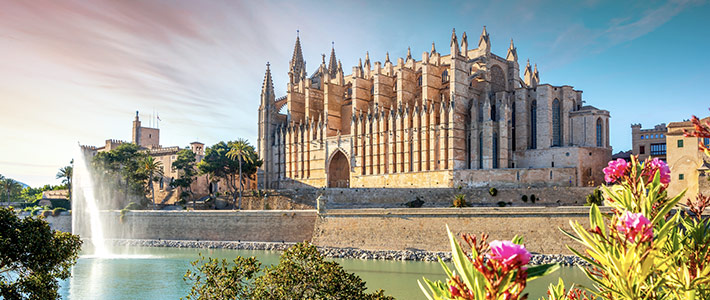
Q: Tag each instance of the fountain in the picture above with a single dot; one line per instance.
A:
(85, 207)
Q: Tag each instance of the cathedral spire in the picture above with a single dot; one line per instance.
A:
(512, 52)
(267, 88)
(333, 62)
(464, 44)
(298, 65)
(387, 57)
(484, 42)
(454, 44)
(433, 48)
(409, 53)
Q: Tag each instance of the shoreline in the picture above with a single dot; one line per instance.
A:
(345, 253)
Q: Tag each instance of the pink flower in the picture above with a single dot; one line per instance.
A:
(657, 165)
(615, 170)
(509, 254)
(635, 224)
(454, 291)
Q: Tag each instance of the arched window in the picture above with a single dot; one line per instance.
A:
(533, 125)
(493, 110)
(495, 150)
(480, 112)
(599, 132)
(480, 150)
(513, 126)
(445, 76)
(556, 123)
(419, 80)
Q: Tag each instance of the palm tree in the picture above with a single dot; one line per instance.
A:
(241, 150)
(154, 169)
(65, 174)
(9, 184)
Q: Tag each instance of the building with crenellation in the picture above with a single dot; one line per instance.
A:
(466, 118)
(649, 142)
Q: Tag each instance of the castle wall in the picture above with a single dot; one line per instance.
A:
(425, 229)
(263, 226)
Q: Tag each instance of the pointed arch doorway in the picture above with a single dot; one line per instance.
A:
(339, 171)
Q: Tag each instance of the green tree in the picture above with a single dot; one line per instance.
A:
(154, 170)
(119, 170)
(33, 257)
(302, 273)
(217, 164)
(65, 174)
(241, 150)
(185, 166)
(10, 187)
(218, 279)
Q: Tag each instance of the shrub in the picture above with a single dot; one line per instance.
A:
(595, 198)
(46, 213)
(498, 270)
(58, 210)
(493, 191)
(460, 201)
(302, 273)
(532, 198)
(524, 198)
(501, 203)
(133, 206)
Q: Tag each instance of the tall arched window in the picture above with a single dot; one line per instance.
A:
(420, 80)
(495, 150)
(556, 123)
(599, 132)
(445, 76)
(480, 150)
(513, 126)
(480, 111)
(494, 116)
(533, 125)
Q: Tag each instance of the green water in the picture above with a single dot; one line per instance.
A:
(156, 273)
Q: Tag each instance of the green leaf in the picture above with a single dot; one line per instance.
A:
(461, 262)
(536, 272)
(596, 219)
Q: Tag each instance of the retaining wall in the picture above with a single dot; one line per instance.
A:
(433, 197)
(263, 226)
(425, 228)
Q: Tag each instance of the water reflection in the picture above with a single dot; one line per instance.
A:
(157, 273)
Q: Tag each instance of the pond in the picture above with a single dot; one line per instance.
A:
(156, 273)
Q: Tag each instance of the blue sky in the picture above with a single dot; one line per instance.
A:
(74, 71)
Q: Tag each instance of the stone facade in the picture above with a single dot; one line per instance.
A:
(689, 165)
(649, 142)
(427, 123)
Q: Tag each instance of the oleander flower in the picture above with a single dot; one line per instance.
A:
(657, 165)
(615, 170)
(635, 224)
(509, 253)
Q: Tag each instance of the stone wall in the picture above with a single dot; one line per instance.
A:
(264, 226)
(425, 229)
(432, 197)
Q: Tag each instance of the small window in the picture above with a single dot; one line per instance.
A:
(419, 81)
(642, 137)
(681, 177)
(706, 141)
(680, 143)
(445, 76)
(642, 149)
